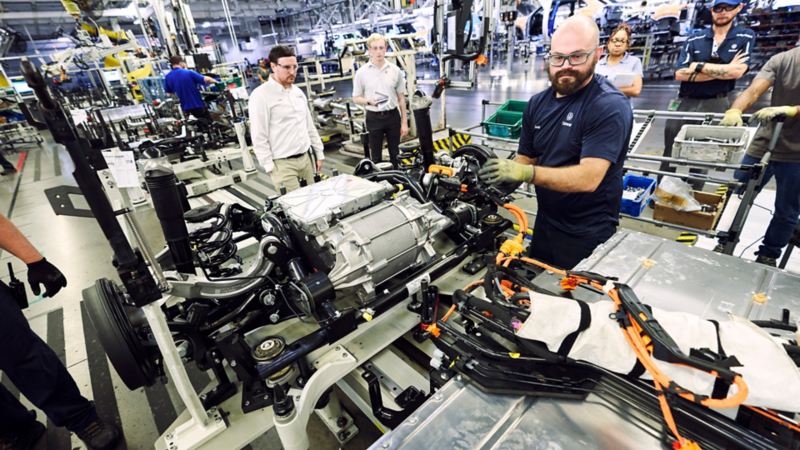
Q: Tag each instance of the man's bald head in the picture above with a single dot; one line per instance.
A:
(578, 28)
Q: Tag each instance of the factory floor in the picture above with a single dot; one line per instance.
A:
(77, 247)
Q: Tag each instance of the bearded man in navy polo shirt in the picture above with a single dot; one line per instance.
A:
(572, 146)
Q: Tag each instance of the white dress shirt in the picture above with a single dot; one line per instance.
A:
(281, 124)
(373, 83)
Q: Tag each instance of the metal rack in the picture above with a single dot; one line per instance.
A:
(13, 134)
(727, 236)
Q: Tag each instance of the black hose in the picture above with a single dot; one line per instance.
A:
(393, 175)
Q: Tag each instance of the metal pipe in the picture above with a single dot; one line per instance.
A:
(144, 29)
(688, 176)
(229, 20)
(486, 136)
(148, 256)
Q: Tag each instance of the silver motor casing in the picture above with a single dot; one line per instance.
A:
(369, 238)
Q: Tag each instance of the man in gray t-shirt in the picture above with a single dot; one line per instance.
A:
(782, 73)
(381, 87)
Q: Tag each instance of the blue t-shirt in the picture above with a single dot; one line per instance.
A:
(700, 48)
(184, 83)
(594, 122)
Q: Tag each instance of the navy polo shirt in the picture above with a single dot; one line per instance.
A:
(594, 122)
(184, 83)
(698, 49)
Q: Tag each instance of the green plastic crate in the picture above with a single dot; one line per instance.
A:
(517, 106)
(503, 124)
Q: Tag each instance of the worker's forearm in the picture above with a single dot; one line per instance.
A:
(360, 100)
(564, 179)
(724, 71)
(401, 103)
(685, 74)
(714, 71)
(631, 91)
(525, 159)
(14, 242)
(745, 100)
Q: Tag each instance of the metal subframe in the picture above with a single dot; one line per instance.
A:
(332, 363)
(344, 357)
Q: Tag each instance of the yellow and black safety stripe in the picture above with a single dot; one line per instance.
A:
(452, 143)
(722, 190)
(687, 239)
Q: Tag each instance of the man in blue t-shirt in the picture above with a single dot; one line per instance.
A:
(573, 143)
(185, 84)
(709, 64)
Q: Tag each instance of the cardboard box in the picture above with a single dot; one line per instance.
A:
(695, 219)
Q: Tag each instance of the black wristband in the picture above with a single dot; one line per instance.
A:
(699, 67)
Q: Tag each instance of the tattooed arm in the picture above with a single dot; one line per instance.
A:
(731, 71)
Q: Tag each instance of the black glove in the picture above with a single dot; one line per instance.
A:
(42, 272)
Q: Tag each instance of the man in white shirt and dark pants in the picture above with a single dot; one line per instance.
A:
(380, 86)
(281, 125)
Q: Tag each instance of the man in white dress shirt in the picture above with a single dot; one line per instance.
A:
(282, 127)
(380, 86)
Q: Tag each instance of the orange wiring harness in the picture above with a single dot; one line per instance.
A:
(640, 344)
(634, 335)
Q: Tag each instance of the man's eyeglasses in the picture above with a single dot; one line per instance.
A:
(724, 8)
(289, 68)
(619, 41)
(575, 59)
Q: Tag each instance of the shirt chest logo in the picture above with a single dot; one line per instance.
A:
(568, 121)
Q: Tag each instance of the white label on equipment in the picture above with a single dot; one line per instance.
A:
(239, 93)
(123, 167)
(414, 285)
(79, 116)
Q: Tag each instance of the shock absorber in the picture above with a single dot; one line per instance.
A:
(163, 186)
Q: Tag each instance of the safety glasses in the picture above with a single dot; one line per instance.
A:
(724, 8)
(575, 59)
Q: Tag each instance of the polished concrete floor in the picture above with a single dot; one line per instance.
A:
(76, 245)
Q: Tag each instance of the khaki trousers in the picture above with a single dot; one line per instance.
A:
(288, 172)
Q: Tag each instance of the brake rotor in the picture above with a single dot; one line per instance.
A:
(105, 305)
(482, 154)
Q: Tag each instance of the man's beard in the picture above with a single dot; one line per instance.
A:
(721, 22)
(569, 87)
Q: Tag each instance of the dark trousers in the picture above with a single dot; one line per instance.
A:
(787, 203)
(6, 164)
(37, 372)
(673, 126)
(380, 124)
(562, 250)
(200, 113)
